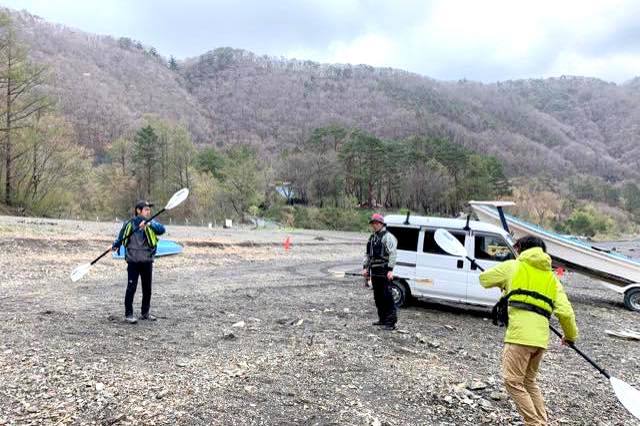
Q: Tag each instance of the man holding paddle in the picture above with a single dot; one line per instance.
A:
(533, 293)
(531, 273)
(140, 239)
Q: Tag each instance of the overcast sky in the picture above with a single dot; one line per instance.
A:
(486, 40)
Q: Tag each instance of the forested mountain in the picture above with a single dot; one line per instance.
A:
(304, 123)
(555, 126)
(104, 85)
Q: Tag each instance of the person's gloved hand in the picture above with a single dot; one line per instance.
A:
(566, 342)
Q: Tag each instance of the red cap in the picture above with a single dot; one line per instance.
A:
(377, 217)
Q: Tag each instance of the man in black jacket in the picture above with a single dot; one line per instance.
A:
(140, 239)
(379, 262)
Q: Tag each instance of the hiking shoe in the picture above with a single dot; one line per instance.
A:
(131, 319)
(377, 323)
(390, 327)
(148, 317)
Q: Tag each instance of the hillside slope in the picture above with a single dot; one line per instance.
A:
(557, 127)
(105, 86)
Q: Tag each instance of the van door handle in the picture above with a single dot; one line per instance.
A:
(460, 264)
(474, 266)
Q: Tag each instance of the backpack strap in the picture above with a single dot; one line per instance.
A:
(531, 308)
(500, 315)
(533, 294)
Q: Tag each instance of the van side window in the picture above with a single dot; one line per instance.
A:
(407, 237)
(430, 245)
(493, 248)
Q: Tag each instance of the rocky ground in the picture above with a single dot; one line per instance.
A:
(251, 333)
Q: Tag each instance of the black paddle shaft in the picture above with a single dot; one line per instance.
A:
(582, 354)
(571, 345)
(124, 238)
(473, 262)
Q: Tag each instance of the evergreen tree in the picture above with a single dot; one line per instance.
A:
(173, 64)
(209, 160)
(125, 42)
(145, 154)
(631, 194)
(500, 185)
(363, 157)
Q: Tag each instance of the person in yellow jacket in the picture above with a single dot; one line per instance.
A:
(534, 293)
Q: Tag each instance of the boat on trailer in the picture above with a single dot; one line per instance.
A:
(616, 271)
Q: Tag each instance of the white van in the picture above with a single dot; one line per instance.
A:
(424, 270)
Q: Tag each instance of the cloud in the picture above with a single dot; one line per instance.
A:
(370, 49)
(617, 67)
(486, 40)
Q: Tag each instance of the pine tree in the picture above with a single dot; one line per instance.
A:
(499, 183)
(125, 42)
(631, 194)
(145, 155)
(173, 64)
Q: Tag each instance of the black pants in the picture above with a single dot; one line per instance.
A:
(144, 271)
(384, 299)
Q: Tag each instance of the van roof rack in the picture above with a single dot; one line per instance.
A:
(467, 228)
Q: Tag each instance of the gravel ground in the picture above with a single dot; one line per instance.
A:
(250, 333)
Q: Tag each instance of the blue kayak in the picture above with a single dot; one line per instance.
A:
(165, 248)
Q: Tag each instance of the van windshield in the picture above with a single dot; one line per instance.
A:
(492, 247)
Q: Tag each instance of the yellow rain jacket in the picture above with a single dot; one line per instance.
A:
(532, 271)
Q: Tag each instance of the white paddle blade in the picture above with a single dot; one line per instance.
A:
(177, 198)
(80, 272)
(449, 243)
(627, 395)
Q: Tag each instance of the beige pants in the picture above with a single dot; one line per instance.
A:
(519, 369)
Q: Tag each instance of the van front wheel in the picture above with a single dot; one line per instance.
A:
(401, 293)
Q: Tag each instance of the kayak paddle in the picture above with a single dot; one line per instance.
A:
(628, 396)
(175, 200)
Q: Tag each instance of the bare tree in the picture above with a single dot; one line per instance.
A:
(53, 165)
(19, 83)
